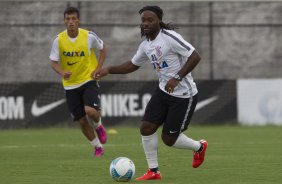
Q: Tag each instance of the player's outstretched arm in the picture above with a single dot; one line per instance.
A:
(124, 68)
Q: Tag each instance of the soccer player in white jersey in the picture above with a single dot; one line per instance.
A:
(73, 58)
(173, 103)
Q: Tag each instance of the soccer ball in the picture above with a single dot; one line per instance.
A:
(122, 169)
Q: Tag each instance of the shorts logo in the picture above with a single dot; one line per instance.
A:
(173, 131)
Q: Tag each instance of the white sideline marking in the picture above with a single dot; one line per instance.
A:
(63, 145)
(108, 145)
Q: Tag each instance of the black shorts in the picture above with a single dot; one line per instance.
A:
(174, 113)
(86, 95)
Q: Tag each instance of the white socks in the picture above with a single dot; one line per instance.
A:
(96, 143)
(150, 145)
(93, 123)
(184, 142)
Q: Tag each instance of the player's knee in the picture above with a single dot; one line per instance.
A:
(93, 113)
(83, 121)
(147, 128)
(168, 140)
(88, 110)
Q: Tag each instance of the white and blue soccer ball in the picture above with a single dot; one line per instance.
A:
(122, 169)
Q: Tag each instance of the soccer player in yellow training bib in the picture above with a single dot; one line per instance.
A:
(73, 58)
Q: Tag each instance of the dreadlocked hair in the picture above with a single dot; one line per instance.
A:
(159, 12)
(168, 26)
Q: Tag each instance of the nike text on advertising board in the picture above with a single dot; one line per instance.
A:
(122, 105)
(11, 107)
(125, 105)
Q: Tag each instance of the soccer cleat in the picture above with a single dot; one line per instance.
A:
(150, 175)
(199, 157)
(99, 151)
(102, 135)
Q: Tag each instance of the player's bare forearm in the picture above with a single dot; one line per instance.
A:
(102, 57)
(191, 63)
(124, 68)
(101, 60)
(57, 68)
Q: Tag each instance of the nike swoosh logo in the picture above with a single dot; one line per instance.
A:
(205, 102)
(69, 63)
(38, 111)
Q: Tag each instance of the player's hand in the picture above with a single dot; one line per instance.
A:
(102, 72)
(171, 84)
(66, 75)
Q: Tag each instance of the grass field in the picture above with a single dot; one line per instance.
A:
(236, 154)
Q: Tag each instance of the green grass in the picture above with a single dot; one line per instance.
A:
(242, 155)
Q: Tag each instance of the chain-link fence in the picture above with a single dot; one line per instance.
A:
(235, 39)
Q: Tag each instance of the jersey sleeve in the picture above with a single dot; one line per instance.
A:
(180, 46)
(140, 56)
(95, 41)
(54, 54)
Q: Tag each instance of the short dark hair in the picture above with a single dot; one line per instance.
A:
(71, 10)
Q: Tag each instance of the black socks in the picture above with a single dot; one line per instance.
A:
(201, 148)
(155, 170)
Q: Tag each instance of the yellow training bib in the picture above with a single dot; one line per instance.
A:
(76, 57)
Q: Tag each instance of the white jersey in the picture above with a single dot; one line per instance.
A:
(168, 53)
(94, 42)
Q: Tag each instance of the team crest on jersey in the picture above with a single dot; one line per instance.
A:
(74, 53)
(158, 51)
(157, 59)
